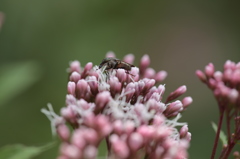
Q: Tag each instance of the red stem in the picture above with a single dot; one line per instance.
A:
(228, 127)
(217, 135)
(228, 151)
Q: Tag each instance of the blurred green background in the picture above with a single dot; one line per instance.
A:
(39, 38)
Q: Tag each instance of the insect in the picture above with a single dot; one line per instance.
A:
(113, 63)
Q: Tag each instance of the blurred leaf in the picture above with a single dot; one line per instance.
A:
(222, 137)
(19, 151)
(17, 77)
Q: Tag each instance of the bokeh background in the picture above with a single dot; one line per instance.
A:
(39, 38)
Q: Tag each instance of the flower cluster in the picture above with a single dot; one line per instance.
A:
(226, 89)
(125, 109)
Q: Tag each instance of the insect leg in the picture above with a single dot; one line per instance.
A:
(127, 72)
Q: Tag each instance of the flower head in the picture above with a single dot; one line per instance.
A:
(123, 106)
(225, 86)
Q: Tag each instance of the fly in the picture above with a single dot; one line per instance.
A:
(113, 63)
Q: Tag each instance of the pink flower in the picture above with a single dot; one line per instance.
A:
(226, 89)
(123, 107)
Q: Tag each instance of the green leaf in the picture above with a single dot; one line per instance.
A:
(17, 77)
(19, 151)
(222, 136)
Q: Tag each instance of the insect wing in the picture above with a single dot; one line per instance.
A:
(125, 65)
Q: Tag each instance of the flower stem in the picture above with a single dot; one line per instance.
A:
(228, 150)
(217, 134)
(228, 118)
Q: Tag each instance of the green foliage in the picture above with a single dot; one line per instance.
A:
(19, 151)
(222, 136)
(17, 77)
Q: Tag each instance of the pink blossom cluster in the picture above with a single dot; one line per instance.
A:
(125, 109)
(225, 85)
(226, 89)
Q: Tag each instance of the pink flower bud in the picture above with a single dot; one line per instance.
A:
(83, 104)
(201, 76)
(173, 107)
(114, 138)
(110, 54)
(71, 151)
(218, 75)
(160, 76)
(90, 136)
(236, 77)
(139, 86)
(75, 66)
(150, 92)
(115, 85)
(229, 65)
(82, 88)
(130, 90)
(183, 131)
(238, 65)
(135, 141)
(161, 89)
(233, 95)
(121, 75)
(209, 70)
(90, 120)
(63, 132)
(159, 151)
(227, 75)
(118, 127)
(186, 102)
(212, 83)
(120, 149)
(129, 126)
(168, 144)
(90, 152)
(129, 58)
(158, 120)
(147, 132)
(236, 154)
(75, 76)
(134, 73)
(178, 92)
(144, 63)
(93, 84)
(162, 132)
(149, 73)
(188, 136)
(159, 107)
(71, 88)
(78, 139)
(148, 83)
(156, 96)
(68, 113)
(224, 91)
(86, 70)
(104, 127)
(88, 66)
(102, 99)
(217, 93)
(70, 99)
